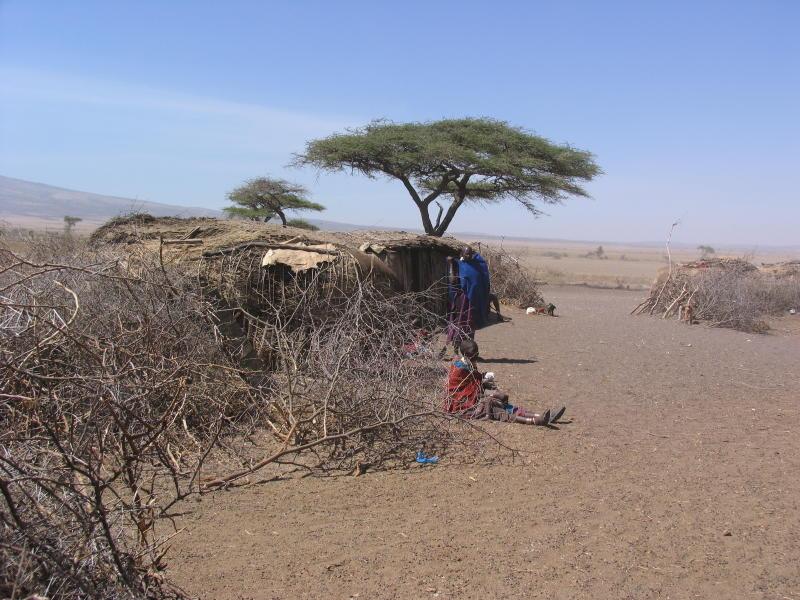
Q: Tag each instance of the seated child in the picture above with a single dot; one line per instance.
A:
(472, 397)
(419, 342)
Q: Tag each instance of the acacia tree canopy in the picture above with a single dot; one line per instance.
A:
(263, 198)
(302, 224)
(70, 222)
(458, 160)
(705, 251)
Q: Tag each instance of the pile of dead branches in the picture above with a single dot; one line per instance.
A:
(728, 293)
(512, 282)
(120, 376)
(355, 381)
(112, 388)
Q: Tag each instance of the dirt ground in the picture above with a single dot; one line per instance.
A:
(678, 477)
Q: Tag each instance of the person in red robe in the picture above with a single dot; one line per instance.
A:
(470, 396)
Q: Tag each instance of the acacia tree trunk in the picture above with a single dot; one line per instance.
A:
(423, 205)
(426, 220)
(448, 217)
(281, 215)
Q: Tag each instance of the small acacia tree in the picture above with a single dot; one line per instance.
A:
(460, 160)
(706, 251)
(263, 198)
(598, 252)
(70, 222)
(302, 224)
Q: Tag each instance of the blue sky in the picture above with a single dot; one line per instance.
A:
(691, 108)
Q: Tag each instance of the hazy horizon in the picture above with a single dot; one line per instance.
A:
(690, 109)
(133, 204)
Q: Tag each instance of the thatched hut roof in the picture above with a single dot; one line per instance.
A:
(215, 236)
(230, 254)
(724, 264)
(687, 270)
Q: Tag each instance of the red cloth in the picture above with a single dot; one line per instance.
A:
(464, 386)
(417, 345)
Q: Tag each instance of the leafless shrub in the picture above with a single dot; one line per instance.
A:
(120, 376)
(727, 293)
(355, 379)
(514, 284)
(104, 374)
(742, 302)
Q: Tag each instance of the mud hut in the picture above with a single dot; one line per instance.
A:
(265, 280)
(727, 292)
(238, 257)
(677, 286)
(684, 272)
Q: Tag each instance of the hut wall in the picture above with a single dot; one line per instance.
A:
(419, 269)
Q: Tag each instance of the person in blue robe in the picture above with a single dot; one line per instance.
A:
(473, 274)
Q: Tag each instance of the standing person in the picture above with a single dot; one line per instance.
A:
(460, 322)
(477, 284)
(469, 296)
(473, 274)
(473, 259)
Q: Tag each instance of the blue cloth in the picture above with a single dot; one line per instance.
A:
(424, 459)
(484, 267)
(474, 278)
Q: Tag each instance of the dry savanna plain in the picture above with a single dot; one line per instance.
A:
(676, 473)
(621, 266)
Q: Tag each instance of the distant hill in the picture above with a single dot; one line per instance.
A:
(37, 205)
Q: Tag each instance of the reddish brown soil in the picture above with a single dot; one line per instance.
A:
(678, 477)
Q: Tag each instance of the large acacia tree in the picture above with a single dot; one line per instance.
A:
(457, 161)
(263, 198)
